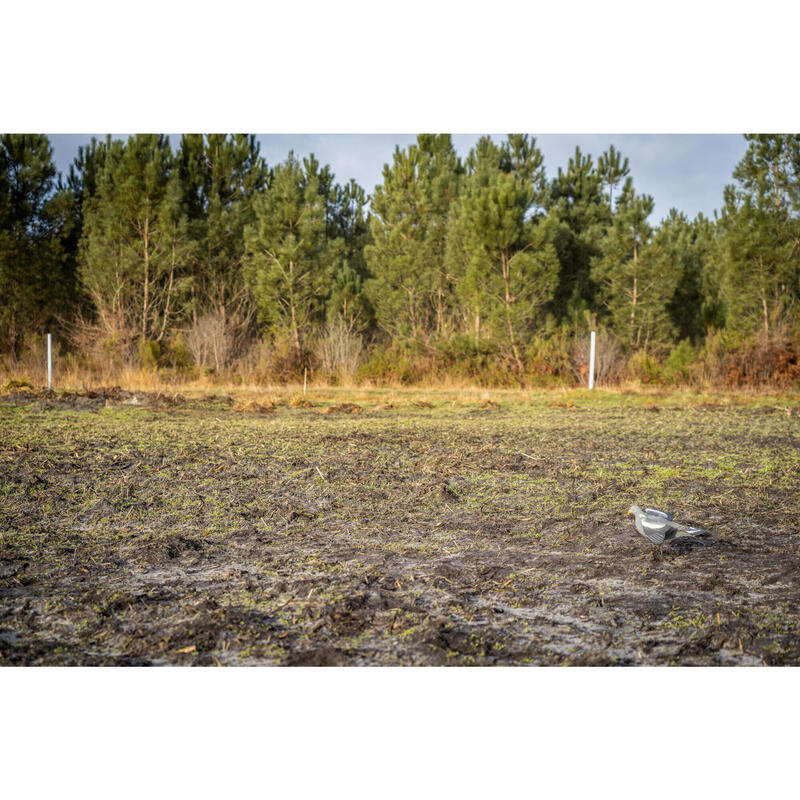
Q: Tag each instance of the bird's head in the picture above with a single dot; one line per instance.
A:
(634, 510)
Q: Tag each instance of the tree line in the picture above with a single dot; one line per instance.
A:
(193, 255)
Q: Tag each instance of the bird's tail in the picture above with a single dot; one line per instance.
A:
(689, 531)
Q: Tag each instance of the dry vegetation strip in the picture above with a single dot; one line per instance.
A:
(416, 532)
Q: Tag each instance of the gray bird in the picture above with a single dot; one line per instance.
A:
(659, 527)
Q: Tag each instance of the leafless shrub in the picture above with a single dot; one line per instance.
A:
(209, 340)
(270, 360)
(768, 361)
(107, 341)
(339, 350)
(608, 359)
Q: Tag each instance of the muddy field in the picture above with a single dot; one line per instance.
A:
(140, 530)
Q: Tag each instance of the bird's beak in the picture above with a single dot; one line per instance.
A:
(630, 512)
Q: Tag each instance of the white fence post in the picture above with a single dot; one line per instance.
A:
(591, 359)
(49, 361)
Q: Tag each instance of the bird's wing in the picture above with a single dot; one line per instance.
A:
(657, 513)
(654, 529)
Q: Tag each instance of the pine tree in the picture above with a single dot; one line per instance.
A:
(521, 157)
(37, 221)
(221, 174)
(510, 263)
(136, 246)
(347, 297)
(637, 274)
(770, 173)
(577, 201)
(442, 171)
(289, 258)
(82, 181)
(613, 169)
(707, 237)
(410, 288)
(85, 170)
(688, 243)
(760, 243)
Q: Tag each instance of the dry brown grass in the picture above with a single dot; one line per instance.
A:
(71, 376)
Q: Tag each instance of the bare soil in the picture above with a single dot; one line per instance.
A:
(174, 531)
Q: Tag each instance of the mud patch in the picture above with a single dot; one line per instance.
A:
(392, 538)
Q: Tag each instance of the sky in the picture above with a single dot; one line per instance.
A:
(684, 171)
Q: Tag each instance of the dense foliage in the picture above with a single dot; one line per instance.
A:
(483, 268)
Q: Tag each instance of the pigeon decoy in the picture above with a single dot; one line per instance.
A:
(659, 527)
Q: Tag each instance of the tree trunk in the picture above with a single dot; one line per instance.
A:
(169, 294)
(635, 295)
(439, 311)
(505, 261)
(764, 310)
(295, 331)
(146, 301)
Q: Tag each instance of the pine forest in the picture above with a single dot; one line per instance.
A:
(197, 258)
